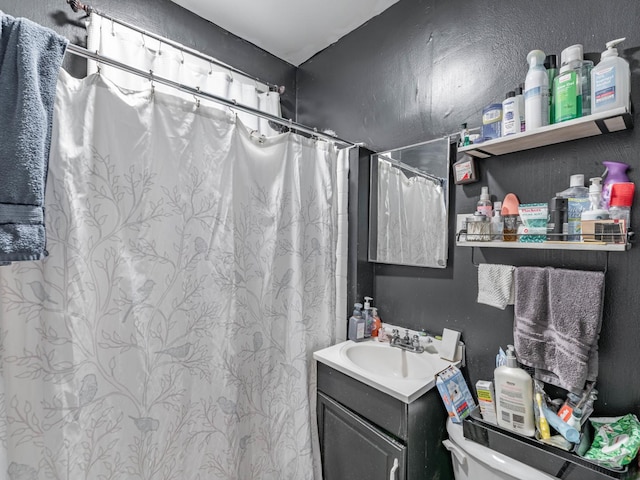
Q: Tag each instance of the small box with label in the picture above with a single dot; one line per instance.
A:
(486, 401)
(455, 393)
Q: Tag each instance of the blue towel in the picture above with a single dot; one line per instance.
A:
(30, 60)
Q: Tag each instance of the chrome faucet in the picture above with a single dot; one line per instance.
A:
(406, 343)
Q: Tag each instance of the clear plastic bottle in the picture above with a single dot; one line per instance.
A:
(621, 201)
(484, 205)
(497, 223)
(577, 196)
(536, 92)
(610, 80)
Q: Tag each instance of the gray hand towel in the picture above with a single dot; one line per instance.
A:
(30, 60)
(558, 315)
(495, 285)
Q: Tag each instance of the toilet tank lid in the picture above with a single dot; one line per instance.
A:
(495, 460)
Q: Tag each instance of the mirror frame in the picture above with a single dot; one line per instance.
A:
(410, 160)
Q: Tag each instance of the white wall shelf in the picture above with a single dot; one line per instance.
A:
(591, 246)
(604, 122)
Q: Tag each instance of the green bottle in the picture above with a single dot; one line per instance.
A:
(551, 64)
(567, 86)
(567, 95)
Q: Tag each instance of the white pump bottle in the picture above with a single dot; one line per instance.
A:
(595, 199)
(514, 397)
(610, 81)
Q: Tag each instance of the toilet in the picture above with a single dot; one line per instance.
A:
(472, 461)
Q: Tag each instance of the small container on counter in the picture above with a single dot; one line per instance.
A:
(478, 228)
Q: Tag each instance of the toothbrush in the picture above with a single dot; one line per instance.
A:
(543, 424)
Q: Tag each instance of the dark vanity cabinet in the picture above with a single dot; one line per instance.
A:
(367, 434)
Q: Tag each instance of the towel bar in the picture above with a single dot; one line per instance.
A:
(476, 264)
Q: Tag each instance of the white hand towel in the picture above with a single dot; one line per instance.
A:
(495, 285)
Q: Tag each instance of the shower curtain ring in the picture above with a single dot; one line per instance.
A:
(196, 98)
(153, 86)
(182, 55)
(144, 44)
(210, 67)
(113, 31)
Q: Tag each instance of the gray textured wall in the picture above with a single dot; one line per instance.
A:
(419, 70)
(169, 20)
(416, 72)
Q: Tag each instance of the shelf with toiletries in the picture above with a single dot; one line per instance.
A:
(591, 246)
(479, 240)
(597, 124)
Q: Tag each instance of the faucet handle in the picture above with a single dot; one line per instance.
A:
(415, 341)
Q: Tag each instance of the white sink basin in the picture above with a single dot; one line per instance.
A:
(399, 373)
(381, 359)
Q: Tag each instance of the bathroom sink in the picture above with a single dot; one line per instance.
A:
(402, 374)
(381, 359)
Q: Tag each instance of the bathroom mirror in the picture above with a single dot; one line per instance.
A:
(408, 205)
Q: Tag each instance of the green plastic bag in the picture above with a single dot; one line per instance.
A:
(615, 442)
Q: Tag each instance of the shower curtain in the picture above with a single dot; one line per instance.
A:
(169, 333)
(407, 207)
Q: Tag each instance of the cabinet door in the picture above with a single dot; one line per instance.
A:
(354, 449)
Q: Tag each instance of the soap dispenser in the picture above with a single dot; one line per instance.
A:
(367, 314)
(610, 81)
(356, 324)
(514, 395)
(595, 198)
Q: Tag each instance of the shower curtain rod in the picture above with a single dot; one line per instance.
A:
(396, 163)
(76, 6)
(197, 93)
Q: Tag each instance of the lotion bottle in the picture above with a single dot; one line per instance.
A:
(510, 115)
(536, 92)
(514, 397)
(610, 81)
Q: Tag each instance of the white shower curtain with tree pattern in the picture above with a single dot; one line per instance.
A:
(169, 333)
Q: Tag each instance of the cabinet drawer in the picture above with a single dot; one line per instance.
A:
(387, 412)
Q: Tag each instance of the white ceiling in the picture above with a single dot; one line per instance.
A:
(293, 30)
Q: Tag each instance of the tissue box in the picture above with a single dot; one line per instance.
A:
(455, 393)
